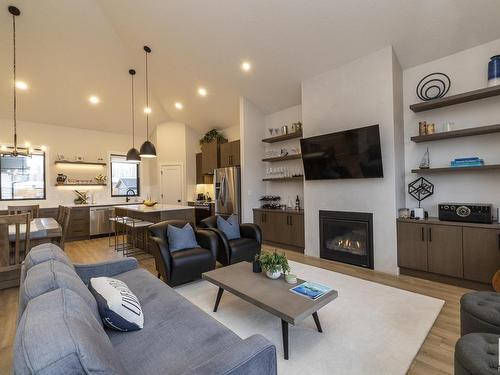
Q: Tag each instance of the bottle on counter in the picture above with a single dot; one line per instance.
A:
(289, 204)
(297, 203)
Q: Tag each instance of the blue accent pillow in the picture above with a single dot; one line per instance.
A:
(230, 227)
(181, 238)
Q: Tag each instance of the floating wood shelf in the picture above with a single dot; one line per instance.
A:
(81, 184)
(456, 169)
(457, 133)
(283, 137)
(281, 158)
(465, 97)
(296, 178)
(79, 162)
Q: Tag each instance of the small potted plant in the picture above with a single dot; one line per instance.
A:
(274, 264)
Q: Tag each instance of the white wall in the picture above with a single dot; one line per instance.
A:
(252, 121)
(357, 94)
(232, 133)
(285, 189)
(70, 142)
(467, 71)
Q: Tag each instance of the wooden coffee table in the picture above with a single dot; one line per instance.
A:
(273, 296)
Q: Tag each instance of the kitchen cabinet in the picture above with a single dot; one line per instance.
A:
(465, 254)
(210, 156)
(200, 177)
(281, 227)
(412, 246)
(79, 224)
(481, 253)
(230, 154)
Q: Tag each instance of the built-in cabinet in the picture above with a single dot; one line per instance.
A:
(79, 223)
(282, 227)
(230, 154)
(200, 177)
(210, 156)
(461, 251)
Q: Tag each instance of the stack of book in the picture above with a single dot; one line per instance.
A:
(467, 162)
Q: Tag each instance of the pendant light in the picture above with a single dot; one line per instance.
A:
(147, 149)
(133, 154)
(15, 151)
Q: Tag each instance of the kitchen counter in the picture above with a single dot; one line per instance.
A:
(156, 208)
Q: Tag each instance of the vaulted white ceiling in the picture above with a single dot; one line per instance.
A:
(68, 50)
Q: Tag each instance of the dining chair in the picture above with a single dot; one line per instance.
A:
(33, 209)
(60, 214)
(14, 245)
(66, 217)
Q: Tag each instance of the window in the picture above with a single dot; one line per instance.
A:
(21, 177)
(124, 176)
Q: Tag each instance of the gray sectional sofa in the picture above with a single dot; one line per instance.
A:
(59, 330)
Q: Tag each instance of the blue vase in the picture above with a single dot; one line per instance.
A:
(494, 71)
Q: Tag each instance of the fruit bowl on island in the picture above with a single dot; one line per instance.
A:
(149, 203)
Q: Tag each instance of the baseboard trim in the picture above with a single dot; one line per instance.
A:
(284, 246)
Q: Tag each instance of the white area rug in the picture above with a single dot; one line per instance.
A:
(369, 329)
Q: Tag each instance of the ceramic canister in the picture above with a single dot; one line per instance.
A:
(494, 71)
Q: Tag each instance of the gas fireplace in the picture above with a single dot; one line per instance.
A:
(347, 237)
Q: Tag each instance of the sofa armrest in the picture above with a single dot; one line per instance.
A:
(108, 268)
(253, 356)
(208, 240)
(224, 248)
(249, 230)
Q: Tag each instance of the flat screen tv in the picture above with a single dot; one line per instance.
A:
(353, 153)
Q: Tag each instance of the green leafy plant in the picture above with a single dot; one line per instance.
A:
(274, 262)
(212, 135)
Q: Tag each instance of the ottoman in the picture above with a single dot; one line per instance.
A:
(477, 354)
(480, 312)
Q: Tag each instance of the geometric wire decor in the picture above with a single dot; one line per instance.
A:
(420, 189)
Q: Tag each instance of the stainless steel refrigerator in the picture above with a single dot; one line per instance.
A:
(227, 189)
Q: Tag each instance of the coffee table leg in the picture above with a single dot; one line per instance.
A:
(284, 330)
(316, 320)
(217, 300)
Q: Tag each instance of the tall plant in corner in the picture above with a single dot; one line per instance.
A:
(213, 135)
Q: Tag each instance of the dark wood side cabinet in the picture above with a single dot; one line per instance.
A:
(281, 227)
(210, 157)
(465, 254)
(79, 224)
(230, 154)
(200, 177)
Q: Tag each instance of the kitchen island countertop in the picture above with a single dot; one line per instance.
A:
(155, 208)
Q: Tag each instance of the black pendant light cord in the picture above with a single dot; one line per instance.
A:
(147, 93)
(132, 72)
(14, 70)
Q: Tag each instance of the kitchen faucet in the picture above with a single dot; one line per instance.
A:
(127, 199)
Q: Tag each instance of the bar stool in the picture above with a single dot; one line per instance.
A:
(119, 222)
(132, 229)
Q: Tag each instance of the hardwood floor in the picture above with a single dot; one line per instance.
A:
(435, 355)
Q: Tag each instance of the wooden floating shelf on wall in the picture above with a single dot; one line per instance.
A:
(456, 169)
(465, 97)
(81, 184)
(281, 158)
(284, 137)
(296, 178)
(79, 162)
(480, 130)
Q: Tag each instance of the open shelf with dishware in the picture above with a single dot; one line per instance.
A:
(292, 178)
(80, 184)
(283, 158)
(465, 97)
(80, 162)
(456, 169)
(480, 130)
(283, 137)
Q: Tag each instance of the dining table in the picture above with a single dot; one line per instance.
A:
(42, 229)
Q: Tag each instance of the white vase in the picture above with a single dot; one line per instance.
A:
(273, 275)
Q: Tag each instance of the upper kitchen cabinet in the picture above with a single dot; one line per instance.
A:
(210, 157)
(200, 177)
(230, 154)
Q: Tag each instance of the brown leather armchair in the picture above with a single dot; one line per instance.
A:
(237, 250)
(181, 266)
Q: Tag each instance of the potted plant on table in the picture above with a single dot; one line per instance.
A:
(274, 264)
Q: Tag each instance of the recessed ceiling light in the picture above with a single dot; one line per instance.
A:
(147, 110)
(21, 85)
(94, 99)
(245, 66)
(202, 91)
(178, 105)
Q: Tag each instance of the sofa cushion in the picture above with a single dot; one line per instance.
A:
(243, 249)
(43, 253)
(480, 312)
(230, 226)
(58, 334)
(177, 334)
(52, 275)
(477, 353)
(118, 307)
(181, 238)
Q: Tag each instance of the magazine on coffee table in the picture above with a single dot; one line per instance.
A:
(311, 290)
